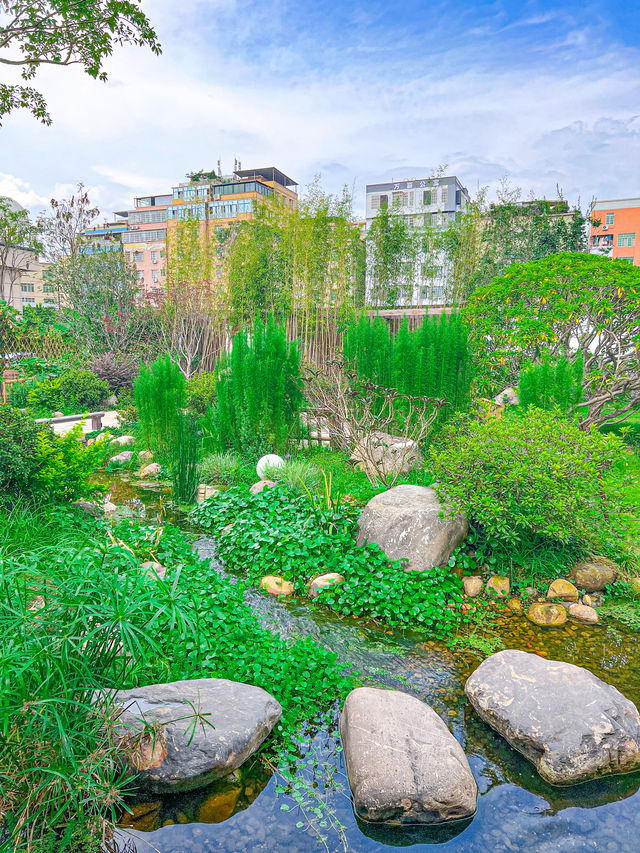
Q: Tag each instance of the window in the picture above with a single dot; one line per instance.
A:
(428, 196)
(144, 217)
(399, 198)
(140, 275)
(138, 257)
(28, 300)
(48, 288)
(626, 239)
(458, 198)
(154, 276)
(445, 194)
(154, 257)
(27, 288)
(384, 201)
(375, 202)
(608, 218)
(144, 236)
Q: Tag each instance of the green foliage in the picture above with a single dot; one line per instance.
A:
(18, 450)
(431, 361)
(106, 624)
(552, 383)
(61, 33)
(159, 394)
(558, 306)
(258, 394)
(391, 258)
(537, 473)
(19, 392)
(184, 459)
(225, 469)
(280, 532)
(296, 475)
(201, 391)
(74, 391)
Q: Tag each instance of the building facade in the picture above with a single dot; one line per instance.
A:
(425, 203)
(615, 229)
(145, 243)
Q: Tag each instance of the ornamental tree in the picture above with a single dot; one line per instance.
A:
(59, 32)
(560, 305)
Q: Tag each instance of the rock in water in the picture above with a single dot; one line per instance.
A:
(594, 575)
(405, 522)
(546, 615)
(563, 718)
(183, 752)
(403, 763)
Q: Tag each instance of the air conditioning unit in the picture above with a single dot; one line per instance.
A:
(605, 227)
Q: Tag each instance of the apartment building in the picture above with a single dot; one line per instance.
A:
(22, 275)
(432, 202)
(145, 242)
(615, 229)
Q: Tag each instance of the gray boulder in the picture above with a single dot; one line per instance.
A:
(171, 749)
(122, 457)
(403, 763)
(571, 725)
(405, 522)
(382, 453)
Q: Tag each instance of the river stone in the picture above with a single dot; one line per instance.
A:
(515, 606)
(275, 585)
(472, 585)
(180, 756)
(403, 763)
(546, 615)
(594, 575)
(145, 456)
(151, 470)
(322, 582)
(563, 589)
(498, 586)
(122, 457)
(405, 522)
(260, 486)
(571, 725)
(583, 613)
(123, 440)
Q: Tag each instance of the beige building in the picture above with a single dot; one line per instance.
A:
(23, 278)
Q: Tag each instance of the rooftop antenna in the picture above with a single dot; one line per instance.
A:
(219, 168)
(235, 165)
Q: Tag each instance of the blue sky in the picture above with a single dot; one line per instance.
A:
(545, 93)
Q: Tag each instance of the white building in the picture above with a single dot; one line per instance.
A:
(432, 202)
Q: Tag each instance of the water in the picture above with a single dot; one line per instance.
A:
(517, 810)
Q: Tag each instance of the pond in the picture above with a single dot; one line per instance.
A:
(517, 810)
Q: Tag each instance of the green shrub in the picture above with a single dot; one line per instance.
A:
(534, 473)
(552, 383)
(72, 392)
(184, 459)
(18, 450)
(19, 394)
(280, 532)
(297, 475)
(159, 396)
(221, 469)
(201, 392)
(258, 394)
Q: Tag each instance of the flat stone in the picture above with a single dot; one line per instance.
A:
(498, 586)
(583, 613)
(403, 763)
(472, 586)
(322, 582)
(122, 457)
(405, 522)
(177, 755)
(275, 585)
(123, 440)
(569, 723)
(145, 456)
(260, 486)
(546, 615)
(563, 589)
(594, 575)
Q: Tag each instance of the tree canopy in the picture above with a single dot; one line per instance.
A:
(560, 305)
(64, 32)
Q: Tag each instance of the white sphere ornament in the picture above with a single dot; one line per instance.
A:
(271, 460)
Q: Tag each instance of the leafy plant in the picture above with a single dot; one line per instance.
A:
(159, 394)
(74, 391)
(535, 474)
(201, 391)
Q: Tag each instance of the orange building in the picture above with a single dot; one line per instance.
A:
(615, 229)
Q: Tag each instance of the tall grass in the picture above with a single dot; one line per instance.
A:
(159, 393)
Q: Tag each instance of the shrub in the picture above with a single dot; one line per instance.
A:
(201, 391)
(280, 532)
(258, 398)
(76, 390)
(297, 475)
(220, 468)
(552, 383)
(534, 473)
(18, 449)
(118, 371)
(184, 459)
(159, 395)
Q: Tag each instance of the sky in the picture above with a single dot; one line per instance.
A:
(544, 93)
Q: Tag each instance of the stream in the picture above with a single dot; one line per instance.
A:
(517, 810)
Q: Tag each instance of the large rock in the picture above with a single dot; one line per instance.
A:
(405, 522)
(381, 452)
(562, 589)
(564, 719)
(275, 585)
(546, 615)
(402, 761)
(122, 457)
(179, 752)
(123, 440)
(594, 575)
(150, 470)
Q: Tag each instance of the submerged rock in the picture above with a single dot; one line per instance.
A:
(571, 725)
(406, 523)
(546, 615)
(403, 763)
(515, 606)
(594, 575)
(170, 749)
(583, 613)
(318, 584)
